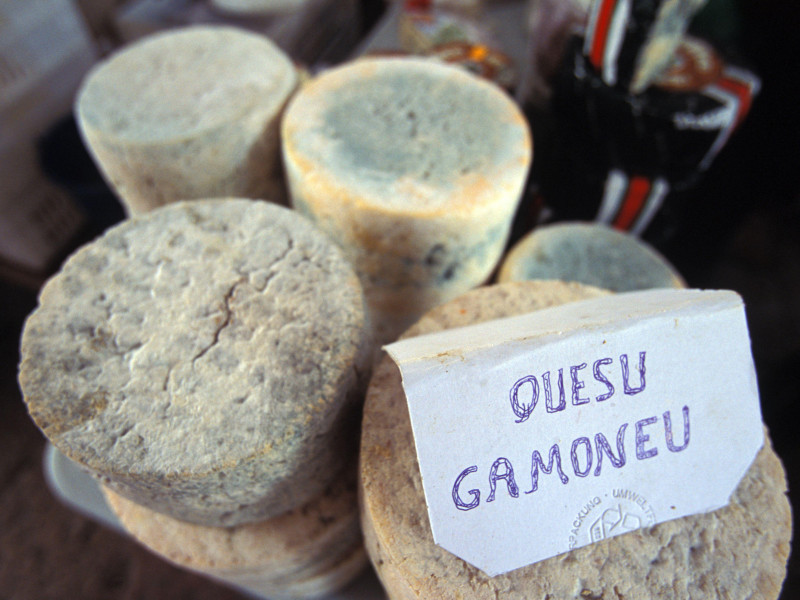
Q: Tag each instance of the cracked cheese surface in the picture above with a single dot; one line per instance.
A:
(188, 358)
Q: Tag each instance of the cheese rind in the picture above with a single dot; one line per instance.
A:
(738, 551)
(312, 550)
(185, 358)
(259, 7)
(190, 113)
(415, 168)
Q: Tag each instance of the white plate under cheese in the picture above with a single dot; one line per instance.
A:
(590, 253)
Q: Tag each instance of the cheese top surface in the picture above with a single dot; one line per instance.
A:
(180, 83)
(408, 134)
(192, 338)
(593, 254)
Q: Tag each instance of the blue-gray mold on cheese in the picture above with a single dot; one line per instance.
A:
(188, 113)
(396, 157)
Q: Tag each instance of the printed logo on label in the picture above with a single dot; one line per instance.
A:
(618, 512)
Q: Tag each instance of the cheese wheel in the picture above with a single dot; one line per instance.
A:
(739, 551)
(189, 113)
(415, 168)
(185, 359)
(308, 552)
(593, 254)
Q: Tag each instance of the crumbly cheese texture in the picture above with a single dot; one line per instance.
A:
(311, 550)
(202, 359)
(739, 551)
(415, 168)
(593, 254)
(188, 113)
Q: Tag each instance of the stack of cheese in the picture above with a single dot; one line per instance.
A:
(186, 361)
(189, 113)
(415, 168)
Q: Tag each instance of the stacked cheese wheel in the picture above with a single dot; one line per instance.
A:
(185, 360)
(188, 114)
(415, 168)
(739, 551)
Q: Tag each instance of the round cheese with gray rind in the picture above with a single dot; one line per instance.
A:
(310, 551)
(739, 551)
(188, 113)
(202, 359)
(590, 253)
(415, 168)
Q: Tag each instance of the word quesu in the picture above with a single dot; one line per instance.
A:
(584, 458)
(529, 386)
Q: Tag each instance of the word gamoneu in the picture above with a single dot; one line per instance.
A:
(585, 455)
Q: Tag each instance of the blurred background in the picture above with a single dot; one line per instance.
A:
(735, 228)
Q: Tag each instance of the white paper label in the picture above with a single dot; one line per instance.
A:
(545, 432)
